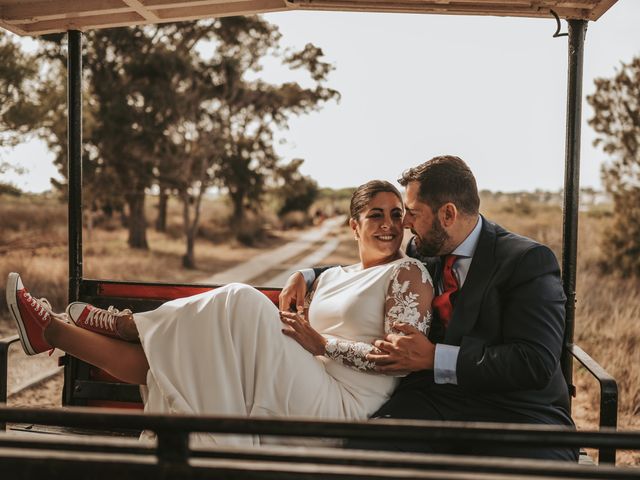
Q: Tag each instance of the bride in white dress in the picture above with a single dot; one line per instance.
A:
(230, 351)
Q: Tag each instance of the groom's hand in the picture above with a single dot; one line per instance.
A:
(293, 292)
(403, 354)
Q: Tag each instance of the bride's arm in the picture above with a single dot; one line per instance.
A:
(408, 301)
(409, 298)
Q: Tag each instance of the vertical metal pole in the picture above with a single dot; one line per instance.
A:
(74, 151)
(577, 31)
(74, 165)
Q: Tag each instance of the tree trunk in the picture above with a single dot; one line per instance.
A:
(137, 221)
(161, 220)
(188, 259)
(124, 218)
(89, 224)
(237, 199)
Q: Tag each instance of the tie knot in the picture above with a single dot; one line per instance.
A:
(449, 260)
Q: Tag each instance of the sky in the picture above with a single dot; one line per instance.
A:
(491, 90)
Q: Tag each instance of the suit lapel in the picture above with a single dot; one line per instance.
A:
(467, 305)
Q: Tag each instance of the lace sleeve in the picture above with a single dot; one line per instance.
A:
(409, 297)
(408, 300)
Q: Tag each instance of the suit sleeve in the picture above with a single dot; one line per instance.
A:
(531, 313)
(319, 270)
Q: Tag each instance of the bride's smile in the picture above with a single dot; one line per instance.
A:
(378, 229)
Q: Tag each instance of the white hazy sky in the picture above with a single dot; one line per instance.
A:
(491, 90)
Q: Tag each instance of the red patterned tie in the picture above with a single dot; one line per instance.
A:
(442, 303)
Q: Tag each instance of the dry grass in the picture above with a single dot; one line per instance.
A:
(33, 241)
(607, 311)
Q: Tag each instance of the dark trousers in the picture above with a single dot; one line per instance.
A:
(418, 398)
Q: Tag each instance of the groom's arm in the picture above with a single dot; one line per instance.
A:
(310, 274)
(297, 286)
(532, 325)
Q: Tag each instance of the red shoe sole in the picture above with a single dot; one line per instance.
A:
(12, 303)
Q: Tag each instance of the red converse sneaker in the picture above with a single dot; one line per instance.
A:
(96, 319)
(32, 315)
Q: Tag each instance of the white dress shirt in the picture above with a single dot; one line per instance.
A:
(446, 356)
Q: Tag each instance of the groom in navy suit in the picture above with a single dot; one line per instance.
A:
(493, 353)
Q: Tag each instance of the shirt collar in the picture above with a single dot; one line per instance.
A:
(468, 247)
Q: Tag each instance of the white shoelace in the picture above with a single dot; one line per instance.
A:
(105, 318)
(40, 305)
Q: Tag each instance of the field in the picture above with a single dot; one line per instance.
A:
(607, 307)
(33, 240)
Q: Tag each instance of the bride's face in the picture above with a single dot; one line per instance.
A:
(379, 228)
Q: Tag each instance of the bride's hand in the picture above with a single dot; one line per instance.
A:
(298, 328)
(293, 292)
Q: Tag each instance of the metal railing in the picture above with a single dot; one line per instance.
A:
(171, 456)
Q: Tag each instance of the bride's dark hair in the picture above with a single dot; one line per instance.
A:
(365, 192)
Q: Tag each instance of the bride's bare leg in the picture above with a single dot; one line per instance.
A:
(121, 359)
(110, 322)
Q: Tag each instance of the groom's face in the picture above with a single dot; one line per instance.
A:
(430, 236)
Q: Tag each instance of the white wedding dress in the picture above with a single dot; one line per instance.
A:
(223, 352)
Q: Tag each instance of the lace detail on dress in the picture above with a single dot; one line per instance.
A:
(405, 301)
(408, 300)
(349, 353)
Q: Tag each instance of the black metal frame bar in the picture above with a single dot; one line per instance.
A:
(54, 464)
(577, 31)
(74, 151)
(608, 397)
(608, 386)
(5, 343)
(465, 433)
(320, 458)
(172, 448)
(74, 136)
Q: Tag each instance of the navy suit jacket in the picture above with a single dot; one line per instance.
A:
(508, 320)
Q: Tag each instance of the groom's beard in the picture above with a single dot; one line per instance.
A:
(431, 244)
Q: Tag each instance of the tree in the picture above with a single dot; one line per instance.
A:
(18, 100)
(19, 109)
(136, 78)
(227, 140)
(250, 113)
(162, 114)
(100, 180)
(296, 192)
(133, 97)
(616, 120)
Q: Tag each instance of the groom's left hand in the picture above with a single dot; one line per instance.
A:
(403, 354)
